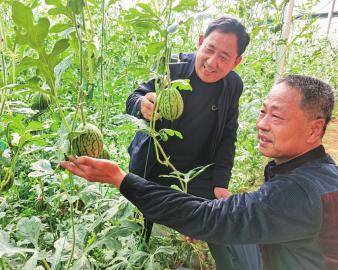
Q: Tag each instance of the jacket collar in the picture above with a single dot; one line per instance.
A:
(272, 168)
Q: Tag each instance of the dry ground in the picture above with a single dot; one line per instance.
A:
(331, 139)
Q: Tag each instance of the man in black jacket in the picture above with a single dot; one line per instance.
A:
(293, 216)
(208, 125)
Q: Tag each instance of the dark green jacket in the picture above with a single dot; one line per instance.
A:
(293, 216)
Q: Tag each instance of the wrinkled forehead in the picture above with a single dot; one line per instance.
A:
(283, 97)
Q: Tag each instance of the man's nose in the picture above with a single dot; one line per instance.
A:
(263, 123)
(212, 61)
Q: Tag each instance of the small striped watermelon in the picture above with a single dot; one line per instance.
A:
(40, 102)
(105, 153)
(170, 104)
(88, 143)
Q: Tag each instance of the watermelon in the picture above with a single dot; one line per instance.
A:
(88, 143)
(105, 153)
(40, 102)
(170, 104)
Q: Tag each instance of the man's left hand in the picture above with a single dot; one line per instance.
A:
(95, 170)
(221, 192)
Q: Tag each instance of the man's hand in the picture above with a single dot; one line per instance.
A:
(221, 192)
(95, 170)
(148, 105)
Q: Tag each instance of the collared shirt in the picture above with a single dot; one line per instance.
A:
(271, 169)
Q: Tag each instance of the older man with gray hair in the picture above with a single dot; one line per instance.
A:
(293, 216)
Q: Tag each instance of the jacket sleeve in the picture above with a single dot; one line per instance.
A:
(276, 213)
(133, 103)
(225, 152)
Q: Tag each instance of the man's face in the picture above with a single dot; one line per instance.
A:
(216, 56)
(283, 127)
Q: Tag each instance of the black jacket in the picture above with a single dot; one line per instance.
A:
(223, 145)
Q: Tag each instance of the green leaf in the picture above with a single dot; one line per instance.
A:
(76, 5)
(165, 250)
(34, 126)
(59, 246)
(185, 5)
(61, 68)
(22, 15)
(181, 84)
(41, 31)
(6, 249)
(27, 62)
(59, 47)
(32, 262)
(29, 229)
(172, 132)
(59, 27)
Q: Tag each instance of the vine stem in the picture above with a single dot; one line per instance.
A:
(165, 82)
(101, 65)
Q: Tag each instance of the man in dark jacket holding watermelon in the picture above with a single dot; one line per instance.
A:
(293, 216)
(208, 125)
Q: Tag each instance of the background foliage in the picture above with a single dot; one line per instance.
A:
(88, 56)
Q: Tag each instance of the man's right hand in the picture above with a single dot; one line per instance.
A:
(148, 106)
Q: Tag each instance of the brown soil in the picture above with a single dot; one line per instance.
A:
(331, 139)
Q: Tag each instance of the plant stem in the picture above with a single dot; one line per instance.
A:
(101, 66)
(45, 263)
(71, 180)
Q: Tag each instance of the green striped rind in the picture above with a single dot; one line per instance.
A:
(170, 104)
(89, 143)
(105, 153)
(40, 102)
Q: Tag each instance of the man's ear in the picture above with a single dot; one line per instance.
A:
(316, 131)
(237, 61)
(200, 40)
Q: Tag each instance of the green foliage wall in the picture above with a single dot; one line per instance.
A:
(88, 56)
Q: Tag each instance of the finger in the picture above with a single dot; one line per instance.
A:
(151, 97)
(73, 168)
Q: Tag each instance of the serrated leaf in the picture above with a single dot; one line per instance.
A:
(22, 15)
(181, 84)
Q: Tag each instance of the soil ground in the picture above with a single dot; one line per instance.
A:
(331, 139)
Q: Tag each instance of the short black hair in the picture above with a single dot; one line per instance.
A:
(317, 97)
(230, 25)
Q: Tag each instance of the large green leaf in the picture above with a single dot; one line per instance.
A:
(41, 31)
(7, 249)
(29, 229)
(22, 15)
(59, 27)
(27, 62)
(59, 47)
(76, 5)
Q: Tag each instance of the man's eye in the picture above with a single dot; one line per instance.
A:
(275, 116)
